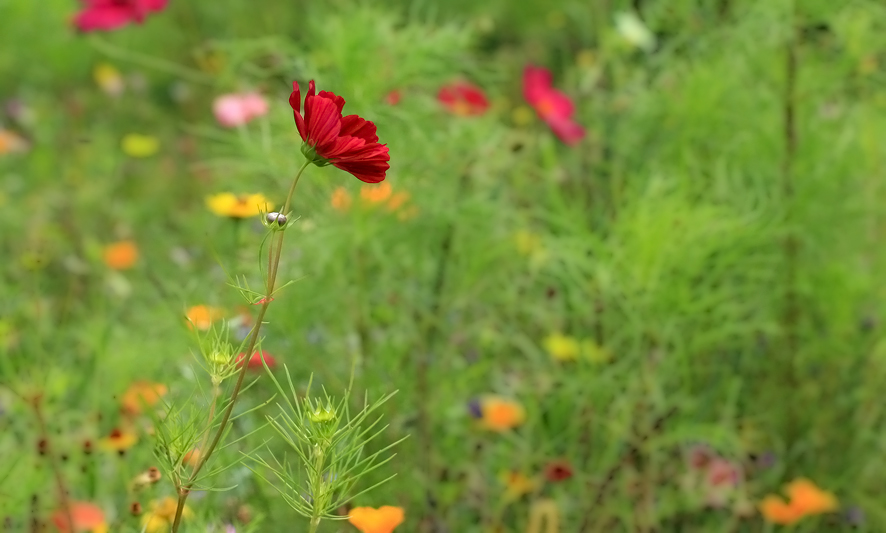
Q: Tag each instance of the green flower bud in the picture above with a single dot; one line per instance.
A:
(322, 415)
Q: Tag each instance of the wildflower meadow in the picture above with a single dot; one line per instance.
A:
(510, 266)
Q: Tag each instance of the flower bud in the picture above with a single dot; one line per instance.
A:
(279, 218)
(321, 415)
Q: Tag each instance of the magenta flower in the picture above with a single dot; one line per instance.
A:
(552, 106)
(232, 110)
(347, 142)
(106, 15)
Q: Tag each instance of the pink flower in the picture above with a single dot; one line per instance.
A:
(463, 98)
(255, 362)
(552, 106)
(112, 14)
(232, 110)
(347, 142)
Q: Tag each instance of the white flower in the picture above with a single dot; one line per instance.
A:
(629, 26)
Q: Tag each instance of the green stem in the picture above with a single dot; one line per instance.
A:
(317, 483)
(185, 489)
(150, 62)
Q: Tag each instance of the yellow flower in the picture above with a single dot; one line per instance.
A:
(594, 353)
(381, 520)
(517, 484)
(561, 347)
(108, 79)
(136, 145)
(238, 206)
(159, 519)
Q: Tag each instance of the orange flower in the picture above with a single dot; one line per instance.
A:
(142, 393)
(775, 510)
(810, 499)
(118, 440)
(500, 414)
(11, 142)
(805, 499)
(376, 194)
(381, 520)
(192, 457)
(341, 199)
(86, 517)
(121, 255)
(202, 316)
(397, 200)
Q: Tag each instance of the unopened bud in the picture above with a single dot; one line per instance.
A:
(279, 218)
(321, 415)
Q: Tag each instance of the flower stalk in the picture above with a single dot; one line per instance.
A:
(184, 489)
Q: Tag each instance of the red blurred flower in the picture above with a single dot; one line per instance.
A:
(552, 106)
(393, 97)
(347, 142)
(463, 98)
(112, 14)
(559, 470)
(255, 361)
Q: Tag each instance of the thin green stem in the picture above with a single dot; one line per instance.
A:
(147, 61)
(53, 463)
(185, 488)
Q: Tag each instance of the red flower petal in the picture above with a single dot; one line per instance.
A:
(349, 143)
(463, 98)
(339, 101)
(295, 102)
(358, 127)
(255, 362)
(366, 171)
(323, 121)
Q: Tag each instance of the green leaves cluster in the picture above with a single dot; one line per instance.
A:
(332, 447)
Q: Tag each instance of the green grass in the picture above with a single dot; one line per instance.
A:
(737, 284)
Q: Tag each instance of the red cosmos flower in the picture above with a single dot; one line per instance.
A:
(559, 470)
(552, 106)
(463, 98)
(347, 142)
(255, 361)
(112, 14)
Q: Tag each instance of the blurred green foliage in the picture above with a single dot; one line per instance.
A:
(737, 285)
